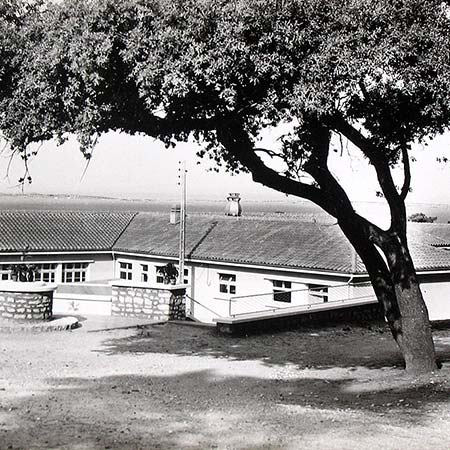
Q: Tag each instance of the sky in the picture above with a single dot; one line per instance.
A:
(139, 167)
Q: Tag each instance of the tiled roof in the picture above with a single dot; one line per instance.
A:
(426, 257)
(280, 243)
(289, 243)
(151, 233)
(436, 234)
(52, 231)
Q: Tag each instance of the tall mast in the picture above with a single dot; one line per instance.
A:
(182, 183)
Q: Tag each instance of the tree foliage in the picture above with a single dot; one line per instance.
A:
(125, 64)
(373, 72)
(421, 217)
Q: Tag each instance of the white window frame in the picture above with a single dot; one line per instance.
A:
(159, 278)
(125, 270)
(318, 293)
(78, 270)
(227, 283)
(185, 275)
(144, 273)
(46, 272)
(282, 291)
(5, 272)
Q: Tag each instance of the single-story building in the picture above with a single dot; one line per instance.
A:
(233, 265)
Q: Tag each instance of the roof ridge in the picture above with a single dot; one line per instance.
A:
(260, 218)
(200, 241)
(123, 230)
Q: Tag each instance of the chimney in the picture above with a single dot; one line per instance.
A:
(234, 207)
(175, 214)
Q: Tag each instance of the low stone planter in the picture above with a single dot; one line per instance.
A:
(26, 300)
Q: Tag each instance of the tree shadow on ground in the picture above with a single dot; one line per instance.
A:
(203, 409)
(343, 346)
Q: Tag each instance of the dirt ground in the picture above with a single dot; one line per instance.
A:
(175, 386)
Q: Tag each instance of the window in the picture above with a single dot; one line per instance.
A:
(227, 283)
(186, 276)
(46, 273)
(159, 275)
(282, 291)
(144, 273)
(126, 271)
(5, 273)
(74, 272)
(318, 294)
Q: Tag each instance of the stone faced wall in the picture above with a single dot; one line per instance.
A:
(26, 305)
(148, 302)
(177, 305)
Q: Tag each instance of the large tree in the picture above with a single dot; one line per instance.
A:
(12, 16)
(373, 72)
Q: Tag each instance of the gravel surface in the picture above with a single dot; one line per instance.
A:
(177, 386)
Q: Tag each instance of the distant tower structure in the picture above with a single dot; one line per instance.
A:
(234, 207)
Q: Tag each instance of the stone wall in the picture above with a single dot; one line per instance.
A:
(177, 305)
(26, 305)
(153, 303)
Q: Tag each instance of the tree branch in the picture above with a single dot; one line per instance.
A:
(407, 173)
(381, 165)
(269, 152)
(363, 88)
(339, 124)
(238, 144)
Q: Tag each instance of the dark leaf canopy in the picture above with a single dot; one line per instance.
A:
(175, 68)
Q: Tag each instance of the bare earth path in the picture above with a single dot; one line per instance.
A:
(176, 386)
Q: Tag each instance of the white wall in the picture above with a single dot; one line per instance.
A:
(101, 265)
(77, 305)
(435, 290)
(102, 268)
(437, 299)
(254, 283)
(152, 263)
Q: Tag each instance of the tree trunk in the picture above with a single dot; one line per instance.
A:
(399, 295)
(415, 338)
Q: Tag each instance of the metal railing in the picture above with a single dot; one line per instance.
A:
(315, 298)
(215, 314)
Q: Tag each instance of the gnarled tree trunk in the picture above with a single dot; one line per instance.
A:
(415, 338)
(396, 286)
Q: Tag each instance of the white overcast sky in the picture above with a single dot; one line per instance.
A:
(140, 167)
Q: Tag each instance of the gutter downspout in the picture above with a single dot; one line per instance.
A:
(114, 264)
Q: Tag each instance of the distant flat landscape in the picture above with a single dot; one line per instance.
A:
(62, 202)
(290, 207)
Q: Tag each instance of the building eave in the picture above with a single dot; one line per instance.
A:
(56, 252)
(215, 262)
